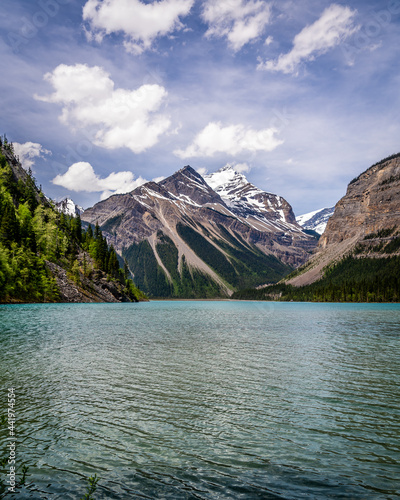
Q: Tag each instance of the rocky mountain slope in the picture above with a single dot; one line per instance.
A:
(366, 221)
(187, 236)
(316, 220)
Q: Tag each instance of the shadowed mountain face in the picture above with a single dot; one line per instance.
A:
(189, 236)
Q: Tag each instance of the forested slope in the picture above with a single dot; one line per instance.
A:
(45, 256)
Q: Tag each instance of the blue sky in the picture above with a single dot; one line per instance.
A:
(101, 95)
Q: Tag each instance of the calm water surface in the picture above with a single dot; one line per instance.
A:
(205, 400)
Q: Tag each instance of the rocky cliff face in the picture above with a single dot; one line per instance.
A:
(372, 203)
(367, 216)
(183, 227)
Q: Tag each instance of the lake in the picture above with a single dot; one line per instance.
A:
(204, 400)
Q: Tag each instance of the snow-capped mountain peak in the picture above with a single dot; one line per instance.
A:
(248, 201)
(226, 180)
(69, 207)
(316, 220)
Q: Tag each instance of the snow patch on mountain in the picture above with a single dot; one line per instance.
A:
(316, 220)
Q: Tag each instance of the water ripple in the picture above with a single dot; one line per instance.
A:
(206, 400)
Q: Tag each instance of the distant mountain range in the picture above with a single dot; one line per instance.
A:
(189, 236)
(317, 220)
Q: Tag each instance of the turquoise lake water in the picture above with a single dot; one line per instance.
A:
(205, 400)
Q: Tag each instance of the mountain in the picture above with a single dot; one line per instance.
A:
(68, 207)
(317, 220)
(358, 255)
(366, 221)
(264, 211)
(183, 238)
(45, 256)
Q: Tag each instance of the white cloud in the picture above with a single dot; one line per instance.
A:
(158, 179)
(239, 167)
(233, 139)
(119, 117)
(140, 22)
(240, 21)
(332, 28)
(28, 151)
(82, 177)
(268, 40)
(202, 171)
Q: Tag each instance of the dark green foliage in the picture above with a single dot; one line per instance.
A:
(236, 262)
(253, 267)
(208, 253)
(392, 246)
(23, 274)
(112, 223)
(245, 265)
(350, 280)
(388, 244)
(168, 253)
(316, 235)
(9, 226)
(149, 276)
(382, 233)
(76, 228)
(32, 233)
(195, 284)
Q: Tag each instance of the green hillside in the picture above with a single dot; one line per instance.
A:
(350, 280)
(33, 234)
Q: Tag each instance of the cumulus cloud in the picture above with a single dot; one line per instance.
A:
(240, 21)
(202, 170)
(333, 27)
(28, 151)
(233, 139)
(141, 23)
(82, 177)
(119, 117)
(242, 168)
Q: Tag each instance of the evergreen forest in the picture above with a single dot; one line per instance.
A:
(33, 233)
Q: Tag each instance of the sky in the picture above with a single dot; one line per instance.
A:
(100, 96)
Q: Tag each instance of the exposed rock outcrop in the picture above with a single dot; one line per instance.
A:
(95, 289)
